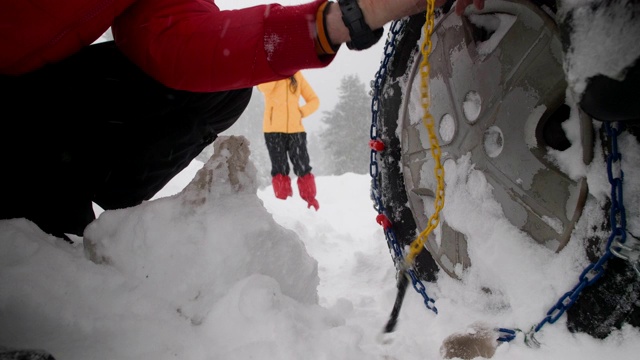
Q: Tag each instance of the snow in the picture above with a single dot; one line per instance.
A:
(223, 270)
(216, 268)
(471, 106)
(495, 24)
(447, 128)
(493, 142)
(615, 29)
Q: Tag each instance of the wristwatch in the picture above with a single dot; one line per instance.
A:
(362, 37)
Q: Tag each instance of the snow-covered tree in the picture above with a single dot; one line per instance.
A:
(346, 137)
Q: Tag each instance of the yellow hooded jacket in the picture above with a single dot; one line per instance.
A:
(282, 110)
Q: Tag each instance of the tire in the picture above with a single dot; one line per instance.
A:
(505, 114)
(390, 179)
(403, 162)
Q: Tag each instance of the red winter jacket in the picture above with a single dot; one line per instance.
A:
(185, 44)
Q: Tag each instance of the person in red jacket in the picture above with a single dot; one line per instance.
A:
(112, 123)
(286, 137)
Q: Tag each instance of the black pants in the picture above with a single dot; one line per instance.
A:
(94, 127)
(283, 147)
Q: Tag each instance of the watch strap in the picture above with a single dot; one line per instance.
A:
(362, 37)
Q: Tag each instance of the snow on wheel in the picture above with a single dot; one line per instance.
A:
(497, 91)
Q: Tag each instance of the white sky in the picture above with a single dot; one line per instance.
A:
(230, 272)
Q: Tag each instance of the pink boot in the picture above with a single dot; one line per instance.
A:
(307, 187)
(282, 186)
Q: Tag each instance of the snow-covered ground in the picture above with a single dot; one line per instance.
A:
(223, 270)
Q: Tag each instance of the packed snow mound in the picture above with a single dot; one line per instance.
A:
(117, 235)
(180, 260)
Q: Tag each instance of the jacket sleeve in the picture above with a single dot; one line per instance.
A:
(193, 45)
(38, 32)
(312, 102)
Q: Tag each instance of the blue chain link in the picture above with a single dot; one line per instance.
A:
(506, 334)
(398, 256)
(594, 271)
(618, 240)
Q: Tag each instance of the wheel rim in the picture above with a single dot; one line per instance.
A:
(493, 95)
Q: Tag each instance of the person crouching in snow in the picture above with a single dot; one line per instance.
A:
(285, 135)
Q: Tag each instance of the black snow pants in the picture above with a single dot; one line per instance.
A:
(283, 147)
(95, 128)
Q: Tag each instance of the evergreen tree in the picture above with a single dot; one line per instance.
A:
(346, 137)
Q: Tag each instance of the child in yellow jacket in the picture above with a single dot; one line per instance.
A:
(286, 137)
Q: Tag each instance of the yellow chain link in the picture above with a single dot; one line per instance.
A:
(418, 244)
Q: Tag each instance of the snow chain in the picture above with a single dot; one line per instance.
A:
(404, 263)
(427, 120)
(616, 244)
(377, 145)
